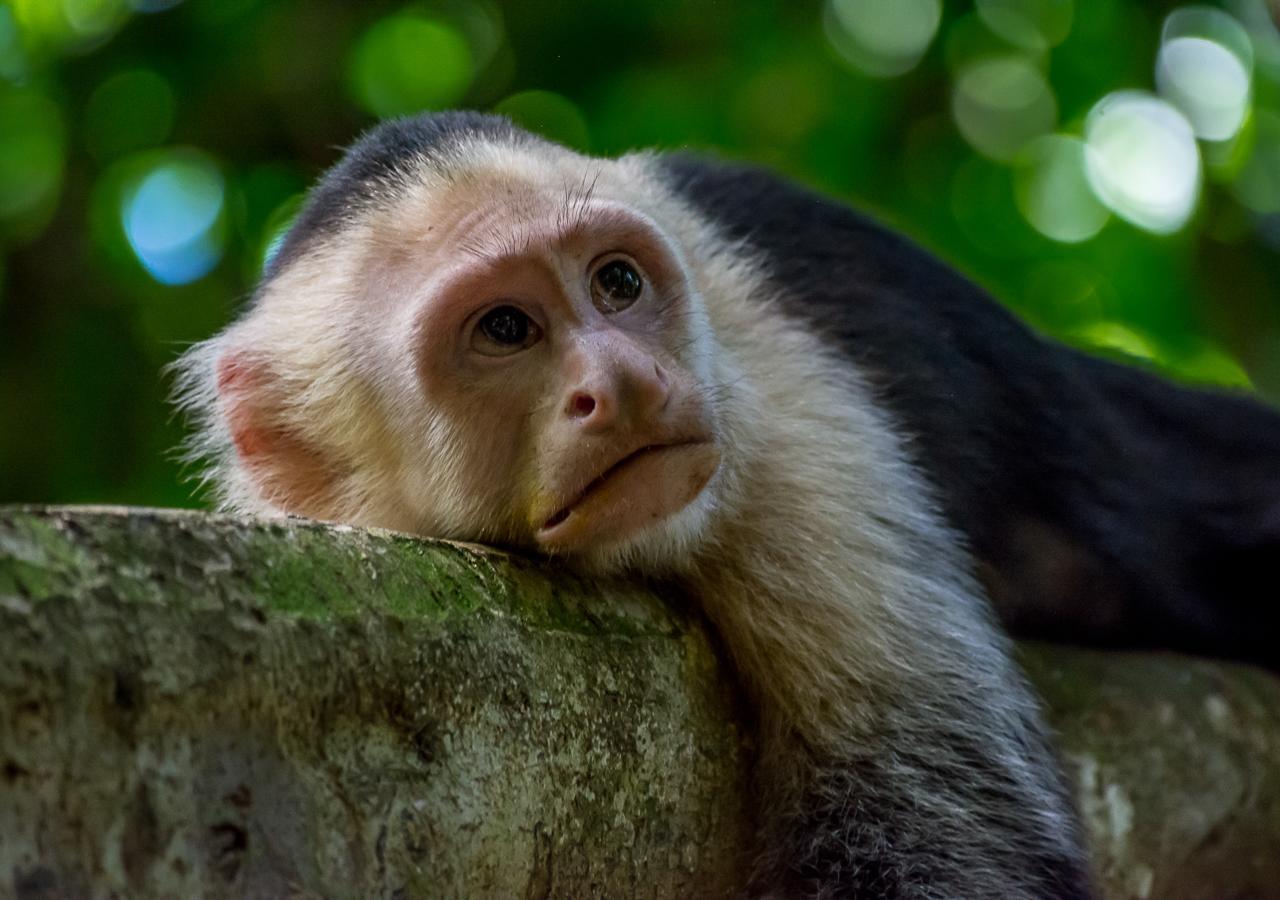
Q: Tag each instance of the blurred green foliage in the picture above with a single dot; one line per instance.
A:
(1109, 168)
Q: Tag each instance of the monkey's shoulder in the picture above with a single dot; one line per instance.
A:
(1152, 490)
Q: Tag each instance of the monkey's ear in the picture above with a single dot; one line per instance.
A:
(287, 470)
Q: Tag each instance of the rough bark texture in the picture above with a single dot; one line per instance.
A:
(196, 706)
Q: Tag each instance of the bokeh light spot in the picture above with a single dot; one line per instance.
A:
(1118, 337)
(1053, 190)
(173, 217)
(1198, 361)
(1212, 24)
(40, 22)
(1207, 82)
(91, 20)
(408, 62)
(479, 22)
(58, 25)
(1204, 68)
(13, 59)
(549, 114)
(1258, 19)
(260, 206)
(276, 228)
(1209, 364)
(129, 111)
(1001, 103)
(780, 105)
(882, 37)
(32, 148)
(653, 106)
(1142, 161)
(1030, 24)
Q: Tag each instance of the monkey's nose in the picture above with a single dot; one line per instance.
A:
(593, 407)
(634, 390)
(582, 405)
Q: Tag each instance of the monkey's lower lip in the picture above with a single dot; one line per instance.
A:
(641, 488)
(607, 474)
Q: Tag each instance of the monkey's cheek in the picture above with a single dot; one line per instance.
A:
(647, 489)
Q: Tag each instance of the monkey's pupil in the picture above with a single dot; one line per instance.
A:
(619, 281)
(505, 325)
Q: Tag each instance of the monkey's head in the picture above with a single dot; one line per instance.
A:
(472, 333)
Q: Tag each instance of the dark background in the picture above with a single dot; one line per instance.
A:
(151, 151)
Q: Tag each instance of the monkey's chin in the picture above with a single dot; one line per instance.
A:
(642, 492)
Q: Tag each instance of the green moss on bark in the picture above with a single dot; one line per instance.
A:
(196, 705)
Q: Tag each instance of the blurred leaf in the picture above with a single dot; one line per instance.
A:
(32, 146)
(131, 110)
(550, 115)
(409, 62)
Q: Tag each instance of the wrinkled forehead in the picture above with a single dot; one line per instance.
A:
(478, 182)
(401, 160)
(494, 201)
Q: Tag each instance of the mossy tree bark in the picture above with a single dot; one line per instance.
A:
(198, 706)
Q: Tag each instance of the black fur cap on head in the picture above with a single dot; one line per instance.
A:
(376, 160)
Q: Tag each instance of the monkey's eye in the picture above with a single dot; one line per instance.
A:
(615, 286)
(504, 330)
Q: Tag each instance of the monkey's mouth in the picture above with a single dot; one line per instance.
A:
(604, 476)
(557, 518)
(643, 487)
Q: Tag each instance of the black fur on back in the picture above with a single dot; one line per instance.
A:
(377, 160)
(1102, 503)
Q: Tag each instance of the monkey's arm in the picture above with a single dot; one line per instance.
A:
(1103, 504)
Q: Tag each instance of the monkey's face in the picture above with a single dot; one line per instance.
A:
(514, 361)
(553, 333)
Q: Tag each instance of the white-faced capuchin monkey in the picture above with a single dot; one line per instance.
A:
(853, 457)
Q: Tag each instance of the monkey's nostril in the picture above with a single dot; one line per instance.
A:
(584, 404)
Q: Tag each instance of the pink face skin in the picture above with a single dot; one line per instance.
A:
(585, 419)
